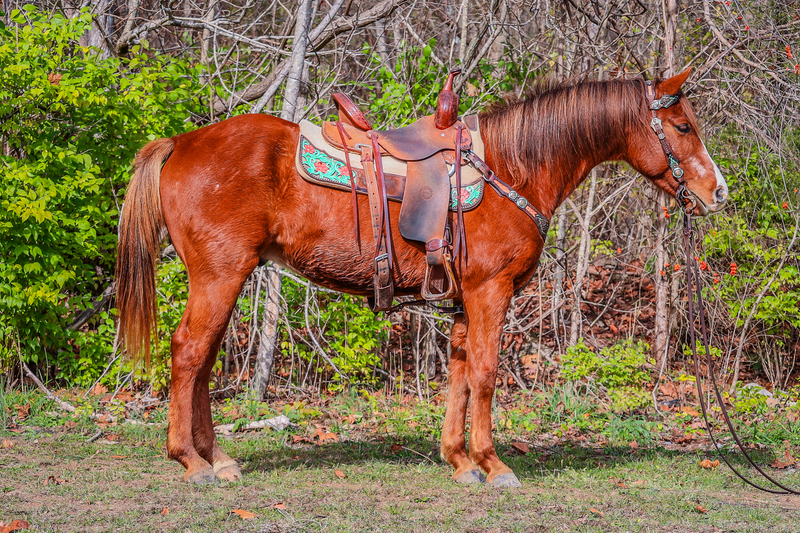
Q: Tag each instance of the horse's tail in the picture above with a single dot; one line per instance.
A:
(141, 229)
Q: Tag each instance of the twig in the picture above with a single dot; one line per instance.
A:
(95, 436)
(64, 406)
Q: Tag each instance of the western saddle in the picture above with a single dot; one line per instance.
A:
(421, 161)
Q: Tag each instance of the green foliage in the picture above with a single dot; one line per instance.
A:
(618, 370)
(349, 331)
(72, 122)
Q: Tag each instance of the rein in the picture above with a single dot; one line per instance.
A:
(685, 199)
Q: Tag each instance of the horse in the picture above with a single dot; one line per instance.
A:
(231, 199)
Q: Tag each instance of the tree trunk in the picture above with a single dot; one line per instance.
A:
(265, 356)
(584, 251)
(661, 333)
(269, 329)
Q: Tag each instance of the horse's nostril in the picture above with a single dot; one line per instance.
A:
(720, 195)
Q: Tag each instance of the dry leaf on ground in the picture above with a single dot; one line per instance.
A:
(98, 390)
(634, 445)
(689, 411)
(323, 435)
(700, 509)
(595, 511)
(708, 465)
(8, 443)
(245, 515)
(521, 447)
(165, 511)
(785, 462)
(15, 525)
(280, 506)
(54, 480)
(340, 474)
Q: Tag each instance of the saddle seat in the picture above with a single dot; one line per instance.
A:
(409, 163)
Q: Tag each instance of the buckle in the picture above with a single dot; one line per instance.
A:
(656, 124)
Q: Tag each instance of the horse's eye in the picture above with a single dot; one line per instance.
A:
(683, 128)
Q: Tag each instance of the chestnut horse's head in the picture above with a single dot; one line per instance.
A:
(695, 169)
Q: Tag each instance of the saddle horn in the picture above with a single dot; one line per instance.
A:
(447, 104)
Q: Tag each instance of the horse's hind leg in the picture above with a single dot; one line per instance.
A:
(190, 438)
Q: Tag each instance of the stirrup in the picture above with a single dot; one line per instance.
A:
(451, 291)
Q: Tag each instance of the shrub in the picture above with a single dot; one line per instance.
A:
(71, 124)
(617, 371)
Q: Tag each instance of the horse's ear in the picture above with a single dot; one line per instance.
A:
(673, 85)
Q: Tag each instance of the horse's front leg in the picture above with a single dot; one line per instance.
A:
(486, 311)
(454, 449)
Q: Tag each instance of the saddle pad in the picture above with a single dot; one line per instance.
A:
(320, 163)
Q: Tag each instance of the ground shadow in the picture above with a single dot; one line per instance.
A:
(538, 463)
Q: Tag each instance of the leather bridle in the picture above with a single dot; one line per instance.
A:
(686, 200)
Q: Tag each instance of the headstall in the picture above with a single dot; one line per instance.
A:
(687, 201)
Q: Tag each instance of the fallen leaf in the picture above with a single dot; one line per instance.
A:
(280, 505)
(23, 411)
(773, 402)
(323, 435)
(165, 511)
(619, 482)
(700, 509)
(15, 525)
(340, 474)
(8, 443)
(54, 78)
(113, 438)
(245, 515)
(634, 445)
(595, 511)
(638, 482)
(119, 456)
(689, 411)
(786, 462)
(396, 448)
(708, 465)
(521, 447)
(54, 480)
(299, 438)
(98, 389)
(472, 91)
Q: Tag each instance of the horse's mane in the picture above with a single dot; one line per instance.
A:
(556, 125)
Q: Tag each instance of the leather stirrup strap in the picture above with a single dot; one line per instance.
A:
(356, 230)
(386, 222)
(382, 280)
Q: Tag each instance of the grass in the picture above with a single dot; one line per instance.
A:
(394, 481)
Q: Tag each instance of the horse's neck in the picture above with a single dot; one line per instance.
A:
(551, 185)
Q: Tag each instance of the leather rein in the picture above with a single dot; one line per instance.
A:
(686, 200)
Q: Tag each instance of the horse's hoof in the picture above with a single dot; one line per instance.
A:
(471, 476)
(505, 480)
(228, 471)
(203, 477)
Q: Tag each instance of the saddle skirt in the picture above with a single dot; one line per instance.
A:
(320, 162)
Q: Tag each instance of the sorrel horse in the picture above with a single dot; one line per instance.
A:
(231, 199)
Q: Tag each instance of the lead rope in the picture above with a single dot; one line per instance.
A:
(688, 239)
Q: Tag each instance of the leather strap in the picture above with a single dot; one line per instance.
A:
(461, 237)
(382, 280)
(691, 272)
(505, 190)
(356, 229)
